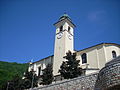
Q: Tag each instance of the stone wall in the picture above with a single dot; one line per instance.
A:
(109, 76)
(79, 83)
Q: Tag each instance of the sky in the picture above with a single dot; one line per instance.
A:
(27, 31)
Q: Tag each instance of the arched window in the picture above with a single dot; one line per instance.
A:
(68, 29)
(39, 71)
(84, 58)
(61, 28)
(114, 54)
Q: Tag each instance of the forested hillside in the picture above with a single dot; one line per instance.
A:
(9, 70)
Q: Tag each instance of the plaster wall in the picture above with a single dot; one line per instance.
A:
(42, 63)
(62, 45)
(98, 56)
(92, 58)
(101, 56)
(109, 49)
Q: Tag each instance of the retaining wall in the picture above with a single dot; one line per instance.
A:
(79, 83)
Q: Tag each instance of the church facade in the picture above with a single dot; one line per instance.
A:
(92, 59)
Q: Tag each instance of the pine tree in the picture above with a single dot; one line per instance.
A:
(70, 68)
(47, 76)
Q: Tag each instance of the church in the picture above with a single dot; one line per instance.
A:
(92, 59)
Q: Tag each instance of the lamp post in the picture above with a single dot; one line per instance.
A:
(7, 85)
(32, 79)
(33, 74)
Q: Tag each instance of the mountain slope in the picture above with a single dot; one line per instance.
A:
(8, 70)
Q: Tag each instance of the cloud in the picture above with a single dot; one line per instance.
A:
(96, 15)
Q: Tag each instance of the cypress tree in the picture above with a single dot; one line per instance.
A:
(47, 76)
(30, 80)
(70, 68)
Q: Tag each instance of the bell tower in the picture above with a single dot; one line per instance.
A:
(64, 40)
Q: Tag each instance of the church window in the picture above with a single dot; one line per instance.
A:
(84, 58)
(39, 71)
(68, 29)
(114, 54)
(61, 28)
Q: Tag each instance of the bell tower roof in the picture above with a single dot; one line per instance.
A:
(65, 17)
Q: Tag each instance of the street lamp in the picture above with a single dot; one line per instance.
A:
(7, 85)
(32, 79)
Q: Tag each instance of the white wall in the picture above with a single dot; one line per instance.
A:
(109, 49)
(97, 56)
(62, 45)
(92, 58)
(101, 56)
(42, 63)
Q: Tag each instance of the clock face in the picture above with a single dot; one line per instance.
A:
(59, 35)
(69, 36)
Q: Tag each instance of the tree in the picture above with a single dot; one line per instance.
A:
(16, 82)
(13, 84)
(30, 80)
(47, 76)
(9, 70)
(70, 68)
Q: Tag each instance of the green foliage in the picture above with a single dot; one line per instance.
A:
(13, 84)
(9, 70)
(70, 68)
(30, 80)
(47, 76)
